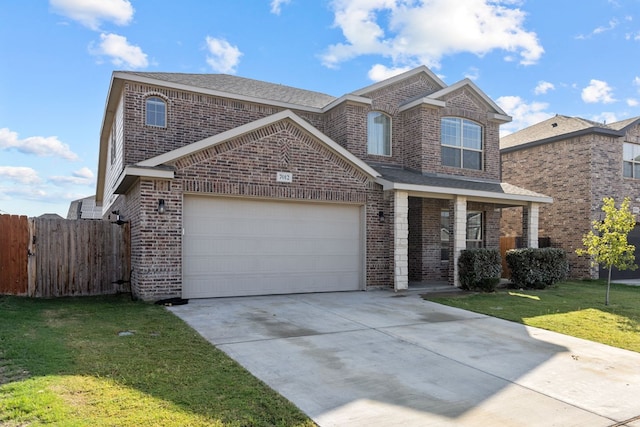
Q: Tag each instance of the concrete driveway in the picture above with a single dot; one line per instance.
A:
(382, 359)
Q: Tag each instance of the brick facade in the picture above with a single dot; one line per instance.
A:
(403, 235)
(578, 171)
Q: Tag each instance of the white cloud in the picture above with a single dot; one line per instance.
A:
(472, 73)
(276, 6)
(379, 72)
(410, 32)
(543, 87)
(224, 57)
(612, 24)
(19, 174)
(636, 82)
(82, 176)
(597, 91)
(523, 114)
(605, 117)
(38, 145)
(121, 52)
(632, 102)
(91, 13)
(632, 36)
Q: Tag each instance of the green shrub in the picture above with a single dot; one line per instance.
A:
(537, 268)
(479, 269)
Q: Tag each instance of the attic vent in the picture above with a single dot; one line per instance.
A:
(553, 125)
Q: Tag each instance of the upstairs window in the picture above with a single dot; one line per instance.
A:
(378, 133)
(156, 112)
(631, 161)
(461, 142)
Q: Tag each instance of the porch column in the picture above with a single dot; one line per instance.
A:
(401, 240)
(531, 216)
(459, 233)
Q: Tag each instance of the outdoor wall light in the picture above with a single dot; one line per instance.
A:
(380, 216)
(160, 206)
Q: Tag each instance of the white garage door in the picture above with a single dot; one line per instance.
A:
(234, 247)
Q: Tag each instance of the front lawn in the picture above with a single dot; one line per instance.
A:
(109, 361)
(573, 308)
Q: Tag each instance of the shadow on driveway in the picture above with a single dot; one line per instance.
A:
(378, 359)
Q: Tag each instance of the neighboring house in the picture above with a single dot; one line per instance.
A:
(84, 209)
(577, 162)
(235, 186)
(50, 216)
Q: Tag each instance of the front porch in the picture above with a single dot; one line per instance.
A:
(436, 218)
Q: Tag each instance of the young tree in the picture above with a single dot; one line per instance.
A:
(608, 246)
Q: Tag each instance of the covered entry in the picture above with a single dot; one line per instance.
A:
(238, 246)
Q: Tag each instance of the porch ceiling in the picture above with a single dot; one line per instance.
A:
(446, 187)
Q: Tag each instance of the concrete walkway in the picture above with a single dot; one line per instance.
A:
(381, 359)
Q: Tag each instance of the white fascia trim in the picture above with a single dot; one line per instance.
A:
(347, 98)
(500, 118)
(450, 192)
(429, 102)
(472, 85)
(134, 171)
(399, 77)
(250, 127)
(212, 92)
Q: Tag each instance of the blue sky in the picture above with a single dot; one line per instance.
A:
(535, 58)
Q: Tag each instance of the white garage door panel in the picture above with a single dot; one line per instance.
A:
(237, 247)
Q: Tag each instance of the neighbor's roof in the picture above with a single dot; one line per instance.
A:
(447, 187)
(562, 127)
(244, 86)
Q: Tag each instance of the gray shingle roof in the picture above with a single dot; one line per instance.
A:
(244, 86)
(624, 123)
(404, 176)
(555, 126)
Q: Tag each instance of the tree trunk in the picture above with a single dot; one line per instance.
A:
(606, 301)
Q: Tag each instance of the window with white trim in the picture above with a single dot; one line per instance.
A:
(631, 160)
(155, 112)
(461, 143)
(474, 232)
(378, 133)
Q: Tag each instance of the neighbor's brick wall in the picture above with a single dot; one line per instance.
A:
(563, 171)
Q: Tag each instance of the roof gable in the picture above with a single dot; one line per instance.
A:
(395, 79)
(174, 155)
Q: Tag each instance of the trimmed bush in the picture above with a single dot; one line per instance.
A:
(537, 268)
(479, 269)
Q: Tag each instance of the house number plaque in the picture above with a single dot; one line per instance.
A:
(284, 177)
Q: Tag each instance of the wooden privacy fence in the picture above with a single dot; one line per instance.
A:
(59, 257)
(513, 242)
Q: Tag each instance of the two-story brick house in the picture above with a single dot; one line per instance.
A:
(578, 162)
(235, 186)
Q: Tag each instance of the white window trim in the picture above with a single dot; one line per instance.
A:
(462, 148)
(390, 134)
(166, 110)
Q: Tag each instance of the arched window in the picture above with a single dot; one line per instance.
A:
(156, 111)
(378, 133)
(461, 142)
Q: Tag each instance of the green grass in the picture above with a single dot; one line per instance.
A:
(573, 308)
(63, 362)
